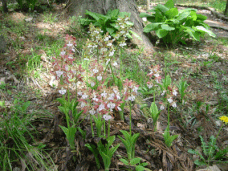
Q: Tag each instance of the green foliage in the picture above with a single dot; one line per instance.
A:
(173, 26)
(135, 162)
(211, 152)
(182, 87)
(168, 138)
(154, 114)
(107, 22)
(129, 142)
(28, 3)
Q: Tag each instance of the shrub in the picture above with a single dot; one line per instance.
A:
(173, 26)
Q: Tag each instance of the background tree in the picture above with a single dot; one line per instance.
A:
(226, 10)
(4, 6)
(78, 8)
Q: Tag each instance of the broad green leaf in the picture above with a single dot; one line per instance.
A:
(135, 34)
(143, 14)
(110, 30)
(148, 28)
(183, 15)
(124, 161)
(169, 4)
(162, 8)
(201, 28)
(123, 14)
(114, 13)
(193, 15)
(96, 16)
(154, 109)
(172, 13)
(135, 161)
(201, 17)
(161, 33)
(191, 32)
(167, 27)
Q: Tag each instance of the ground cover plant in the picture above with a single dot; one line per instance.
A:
(72, 100)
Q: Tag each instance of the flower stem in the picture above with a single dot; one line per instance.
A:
(91, 122)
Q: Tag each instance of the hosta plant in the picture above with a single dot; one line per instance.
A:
(107, 22)
(173, 26)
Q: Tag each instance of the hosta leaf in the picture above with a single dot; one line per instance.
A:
(161, 33)
(172, 12)
(135, 161)
(162, 8)
(191, 32)
(201, 28)
(167, 27)
(148, 28)
(201, 17)
(143, 14)
(193, 15)
(124, 161)
(169, 4)
(110, 30)
(183, 15)
(114, 13)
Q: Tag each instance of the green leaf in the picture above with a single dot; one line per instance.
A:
(169, 4)
(201, 28)
(183, 15)
(135, 161)
(124, 161)
(200, 163)
(172, 13)
(65, 130)
(135, 34)
(167, 27)
(201, 17)
(162, 8)
(140, 168)
(143, 14)
(110, 30)
(113, 13)
(191, 151)
(161, 33)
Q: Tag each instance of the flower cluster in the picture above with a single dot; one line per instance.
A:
(63, 67)
(170, 96)
(130, 90)
(154, 76)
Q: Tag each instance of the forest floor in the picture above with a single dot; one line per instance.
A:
(34, 38)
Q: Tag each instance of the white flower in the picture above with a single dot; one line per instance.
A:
(69, 44)
(62, 91)
(118, 19)
(67, 67)
(73, 49)
(111, 53)
(101, 107)
(123, 44)
(107, 117)
(79, 93)
(126, 18)
(84, 96)
(131, 98)
(70, 57)
(92, 84)
(96, 31)
(109, 44)
(99, 78)
(111, 105)
(135, 89)
(107, 61)
(106, 39)
(119, 108)
(175, 92)
(156, 75)
(150, 85)
(174, 104)
(83, 104)
(59, 73)
(122, 32)
(163, 93)
(86, 59)
(62, 53)
(144, 19)
(95, 70)
(115, 64)
(89, 46)
(170, 100)
(111, 97)
(103, 49)
(104, 94)
(162, 107)
(92, 111)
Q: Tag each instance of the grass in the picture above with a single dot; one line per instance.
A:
(17, 130)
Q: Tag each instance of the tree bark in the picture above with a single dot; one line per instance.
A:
(79, 7)
(226, 10)
(4, 6)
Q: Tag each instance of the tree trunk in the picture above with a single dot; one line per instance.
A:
(226, 10)
(4, 6)
(79, 7)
